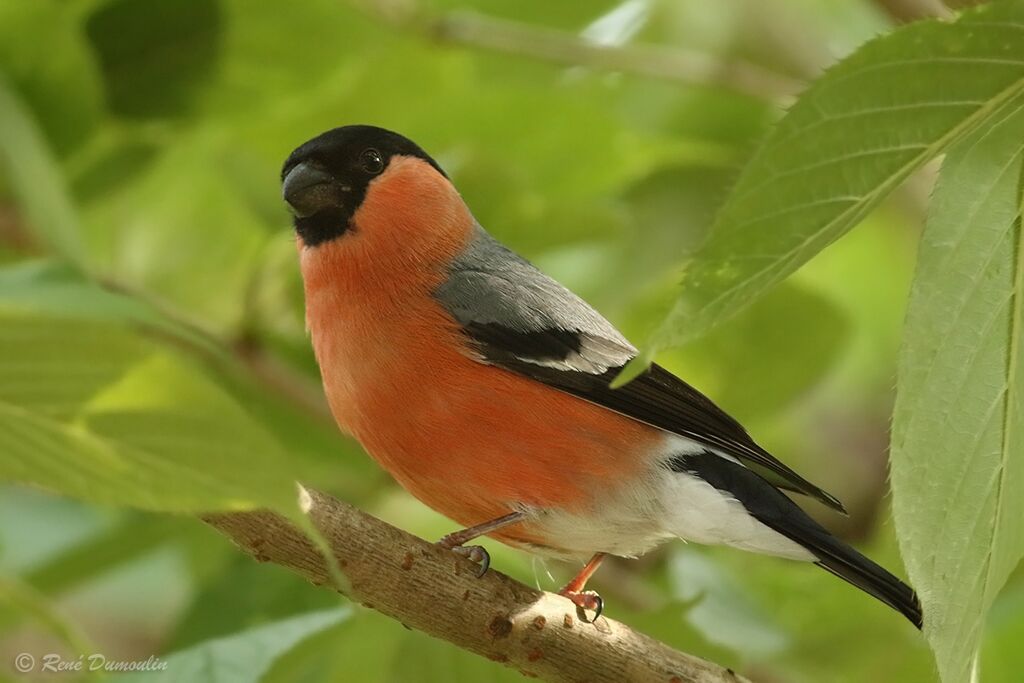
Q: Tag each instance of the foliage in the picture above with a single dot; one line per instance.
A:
(849, 140)
(153, 357)
(858, 132)
(957, 465)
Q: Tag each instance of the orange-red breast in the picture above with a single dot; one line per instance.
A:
(482, 385)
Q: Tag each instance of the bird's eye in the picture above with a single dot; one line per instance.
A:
(371, 161)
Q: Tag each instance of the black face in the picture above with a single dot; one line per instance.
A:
(324, 181)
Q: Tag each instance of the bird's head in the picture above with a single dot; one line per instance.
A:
(350, 178)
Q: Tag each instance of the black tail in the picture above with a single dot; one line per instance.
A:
(843, 561)
(772, 508)
(849, 565)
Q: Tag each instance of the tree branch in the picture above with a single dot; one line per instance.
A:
(904, 11)
(505, 36)
(431, 589)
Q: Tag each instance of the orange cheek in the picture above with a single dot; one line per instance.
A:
(412, 218)
(411, 225)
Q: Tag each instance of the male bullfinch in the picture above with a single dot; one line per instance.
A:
(482, 385)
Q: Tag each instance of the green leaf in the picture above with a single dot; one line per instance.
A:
(93, 409)
(41, 288)
(97, 380)
(55, 289)
(164, 216)
(1002, 657)
(35, 527)
(851, 139)
(48, 61)
(958, 426)
(22, 598)
(133, 537)
(246, 594)
(371, 648)
(785, 362)
(35, 177)
(720, 608)
(423, 658)
(155, 53)
(127, 425)
(245, 656)
(360, 649)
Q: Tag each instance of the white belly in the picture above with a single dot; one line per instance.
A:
(661, 506)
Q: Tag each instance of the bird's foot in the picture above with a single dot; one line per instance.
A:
(584, 601)
(476, 554)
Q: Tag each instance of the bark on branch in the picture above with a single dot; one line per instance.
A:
(431, 589)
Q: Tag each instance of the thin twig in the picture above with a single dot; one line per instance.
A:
(560, 47)
(905, 11)
(431, 589)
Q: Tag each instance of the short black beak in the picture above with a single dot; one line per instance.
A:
(307, 189)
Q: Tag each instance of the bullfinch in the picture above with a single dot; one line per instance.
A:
(483, 386)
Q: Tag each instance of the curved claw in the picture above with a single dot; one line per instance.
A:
(586, 600)
(482, 557)
(598, 609)
(475, 553)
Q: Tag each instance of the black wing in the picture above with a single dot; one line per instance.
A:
(523, 321)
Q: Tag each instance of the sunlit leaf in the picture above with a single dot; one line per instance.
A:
(136, 427)
(48, 61)
(246, 594)
(1002, 657)
(421, 657)
(134, 536)
(355, 648)
(958, 426)
(85, 363)
(244, 656)
(51, 288)
(851, 139)
(39, 187)
(22, 599)
(756, 364)
(179, 229)
(720, 608)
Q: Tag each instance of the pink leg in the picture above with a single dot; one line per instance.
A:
(584, 599)
(475, 553)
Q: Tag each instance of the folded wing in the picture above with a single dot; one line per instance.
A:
(519, 319)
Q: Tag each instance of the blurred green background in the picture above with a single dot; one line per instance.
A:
(167, 122)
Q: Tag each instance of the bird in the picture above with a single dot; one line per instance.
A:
(483, 386)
